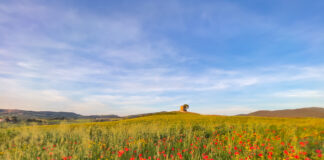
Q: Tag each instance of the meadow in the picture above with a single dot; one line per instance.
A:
(168, 136)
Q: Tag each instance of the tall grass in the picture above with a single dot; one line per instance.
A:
(168, 136)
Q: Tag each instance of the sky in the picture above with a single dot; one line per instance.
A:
(129, 57)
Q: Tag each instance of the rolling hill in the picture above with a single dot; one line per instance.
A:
(23, 114)
(301, 112)
(167, 135)
(48, 114)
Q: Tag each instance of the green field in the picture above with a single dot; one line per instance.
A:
(172, 135)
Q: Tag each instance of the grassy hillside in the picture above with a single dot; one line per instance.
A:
(301, 112)
(171, 135)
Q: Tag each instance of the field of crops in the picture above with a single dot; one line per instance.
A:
(168, 136)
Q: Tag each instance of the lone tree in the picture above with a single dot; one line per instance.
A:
(184, 108)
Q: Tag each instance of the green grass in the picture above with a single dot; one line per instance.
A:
(171, 135)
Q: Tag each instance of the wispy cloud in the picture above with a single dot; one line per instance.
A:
(301, 94)
(231, 110)
(57, 57)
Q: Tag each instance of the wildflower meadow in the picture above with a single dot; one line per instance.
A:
(168, 136)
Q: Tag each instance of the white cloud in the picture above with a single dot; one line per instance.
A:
(13, 95)
(119, 67)
(301, 94)
(229, 110)
(129, 100)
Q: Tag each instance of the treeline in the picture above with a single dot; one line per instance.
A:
(15, 119)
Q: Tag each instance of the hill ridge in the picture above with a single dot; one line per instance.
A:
(299, 112)
(49, 114)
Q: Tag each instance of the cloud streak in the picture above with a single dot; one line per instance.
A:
(58, 57)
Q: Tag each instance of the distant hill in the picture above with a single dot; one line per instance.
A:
(48, 114)
(23, 114)
(301, 112)
(144, 114)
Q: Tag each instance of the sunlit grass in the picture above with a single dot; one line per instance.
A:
(170, 135)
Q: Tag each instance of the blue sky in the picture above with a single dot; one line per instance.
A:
(128, 57)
